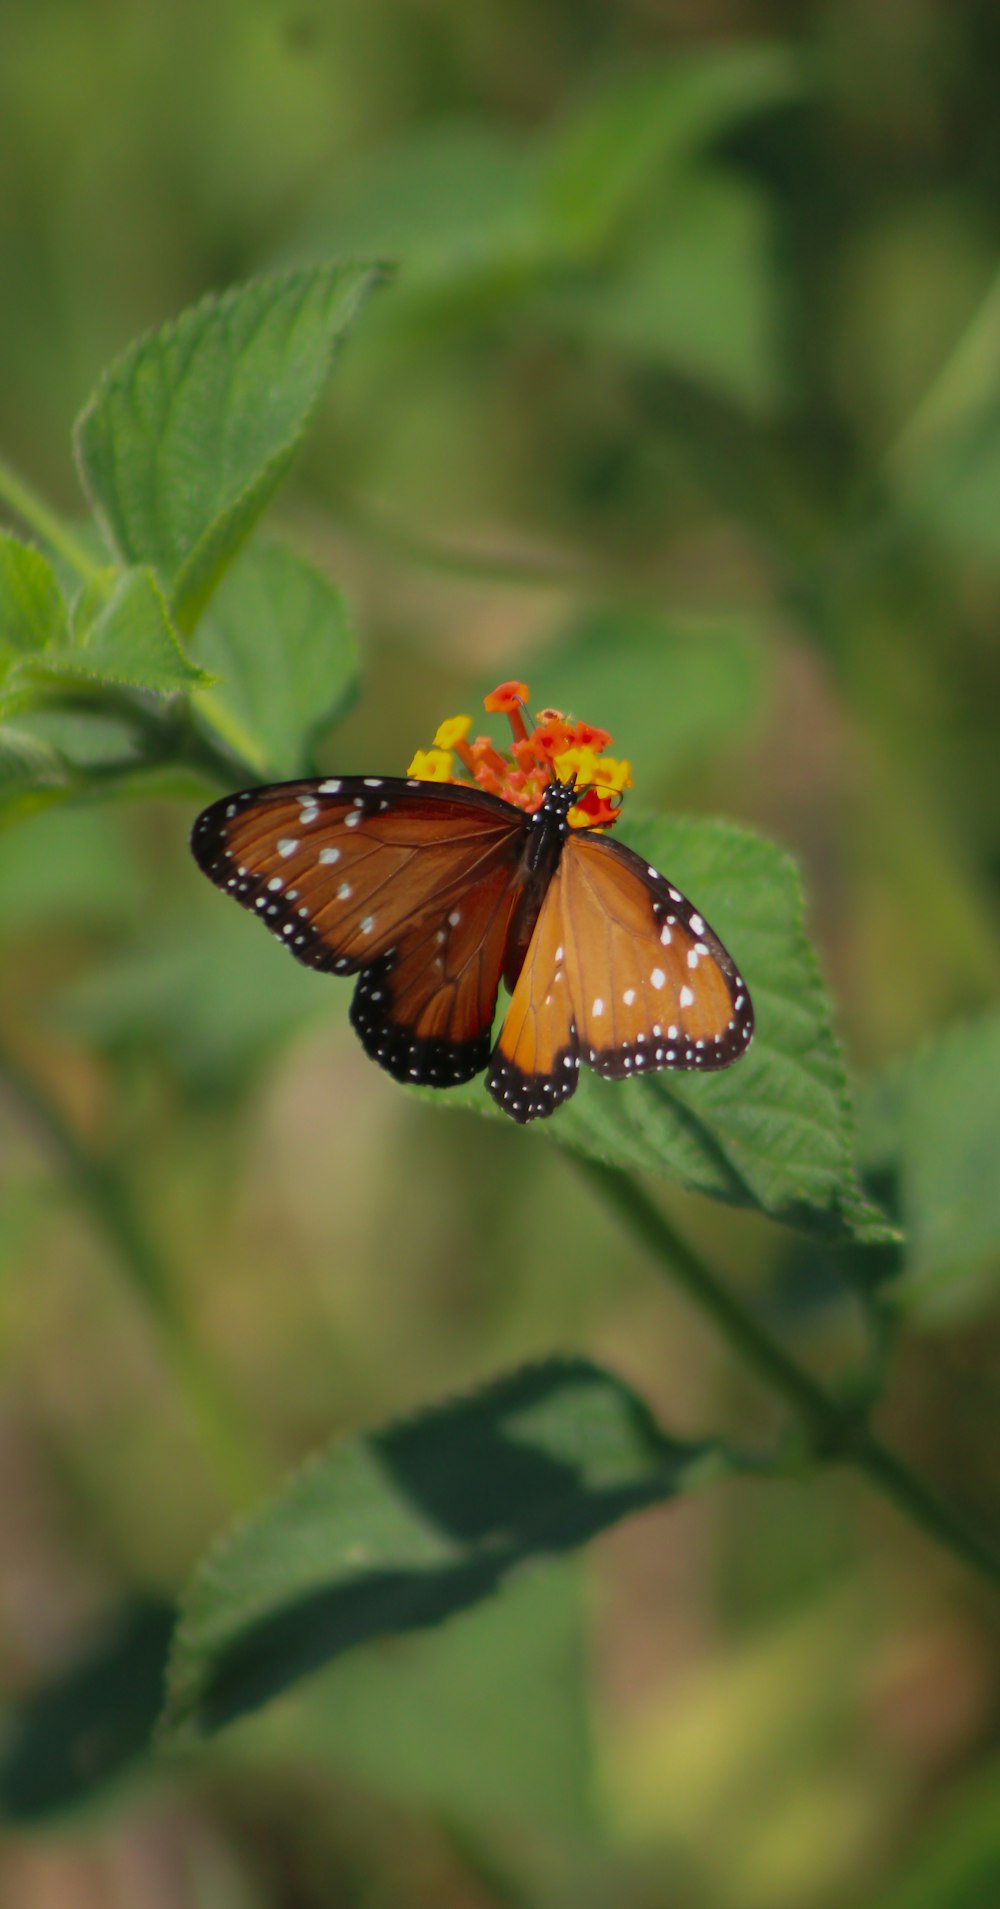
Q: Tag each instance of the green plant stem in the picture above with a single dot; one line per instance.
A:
(836, 1432)
(50, 528)
(240, 1467)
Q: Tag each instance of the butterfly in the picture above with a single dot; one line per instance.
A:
(430, 892)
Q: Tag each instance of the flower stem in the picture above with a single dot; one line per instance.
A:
(50, 528)
(836, 1431)
(240, 1468)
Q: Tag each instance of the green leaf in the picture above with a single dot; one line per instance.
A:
(124, 636)
(671, 690)
(396, 1530)
(214, 1000)
(27, 764)
(775, 1131)
(85, 740)
(191, 430)
(409, 1721)
(932, 1122)
(459, 200)
(697, 292)
(446, 201)
(85, 1729)
(278, 639)
(32, 611)
(617, 143)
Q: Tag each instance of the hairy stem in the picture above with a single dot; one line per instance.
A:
(835, 1431)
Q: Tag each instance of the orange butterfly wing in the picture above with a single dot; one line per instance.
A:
(621, 973)
(408, 884)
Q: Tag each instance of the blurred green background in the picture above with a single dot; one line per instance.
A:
(684, 404)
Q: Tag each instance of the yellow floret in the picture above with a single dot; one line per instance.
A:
(578, 761)
(614, 775)
(454, 730)
(431, 765)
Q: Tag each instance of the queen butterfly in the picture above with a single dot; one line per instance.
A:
(430, 890)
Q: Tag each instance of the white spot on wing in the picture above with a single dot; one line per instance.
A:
(287, 846)
(329, 855)
(330, 788)
(658, 978)
(686, 997)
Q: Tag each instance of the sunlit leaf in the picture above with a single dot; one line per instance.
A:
(191, 430)
(128, 640)
(32, 611)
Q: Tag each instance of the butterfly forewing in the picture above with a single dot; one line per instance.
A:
(406, 883)
(622, 973)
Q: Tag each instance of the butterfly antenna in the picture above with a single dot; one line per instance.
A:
(608, 788)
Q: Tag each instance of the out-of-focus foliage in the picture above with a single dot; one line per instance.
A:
(684, 404)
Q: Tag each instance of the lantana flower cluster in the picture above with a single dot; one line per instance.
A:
(553, 746)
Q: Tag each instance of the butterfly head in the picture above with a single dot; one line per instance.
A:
(556, 805)
(555, 766)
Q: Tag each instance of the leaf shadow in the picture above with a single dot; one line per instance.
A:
(497, 1478)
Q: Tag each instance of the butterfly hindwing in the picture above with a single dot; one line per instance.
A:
(410, 885)
(622, 973)
(425, 1009)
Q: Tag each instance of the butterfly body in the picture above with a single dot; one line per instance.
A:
(432, 892)
(547, 830)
